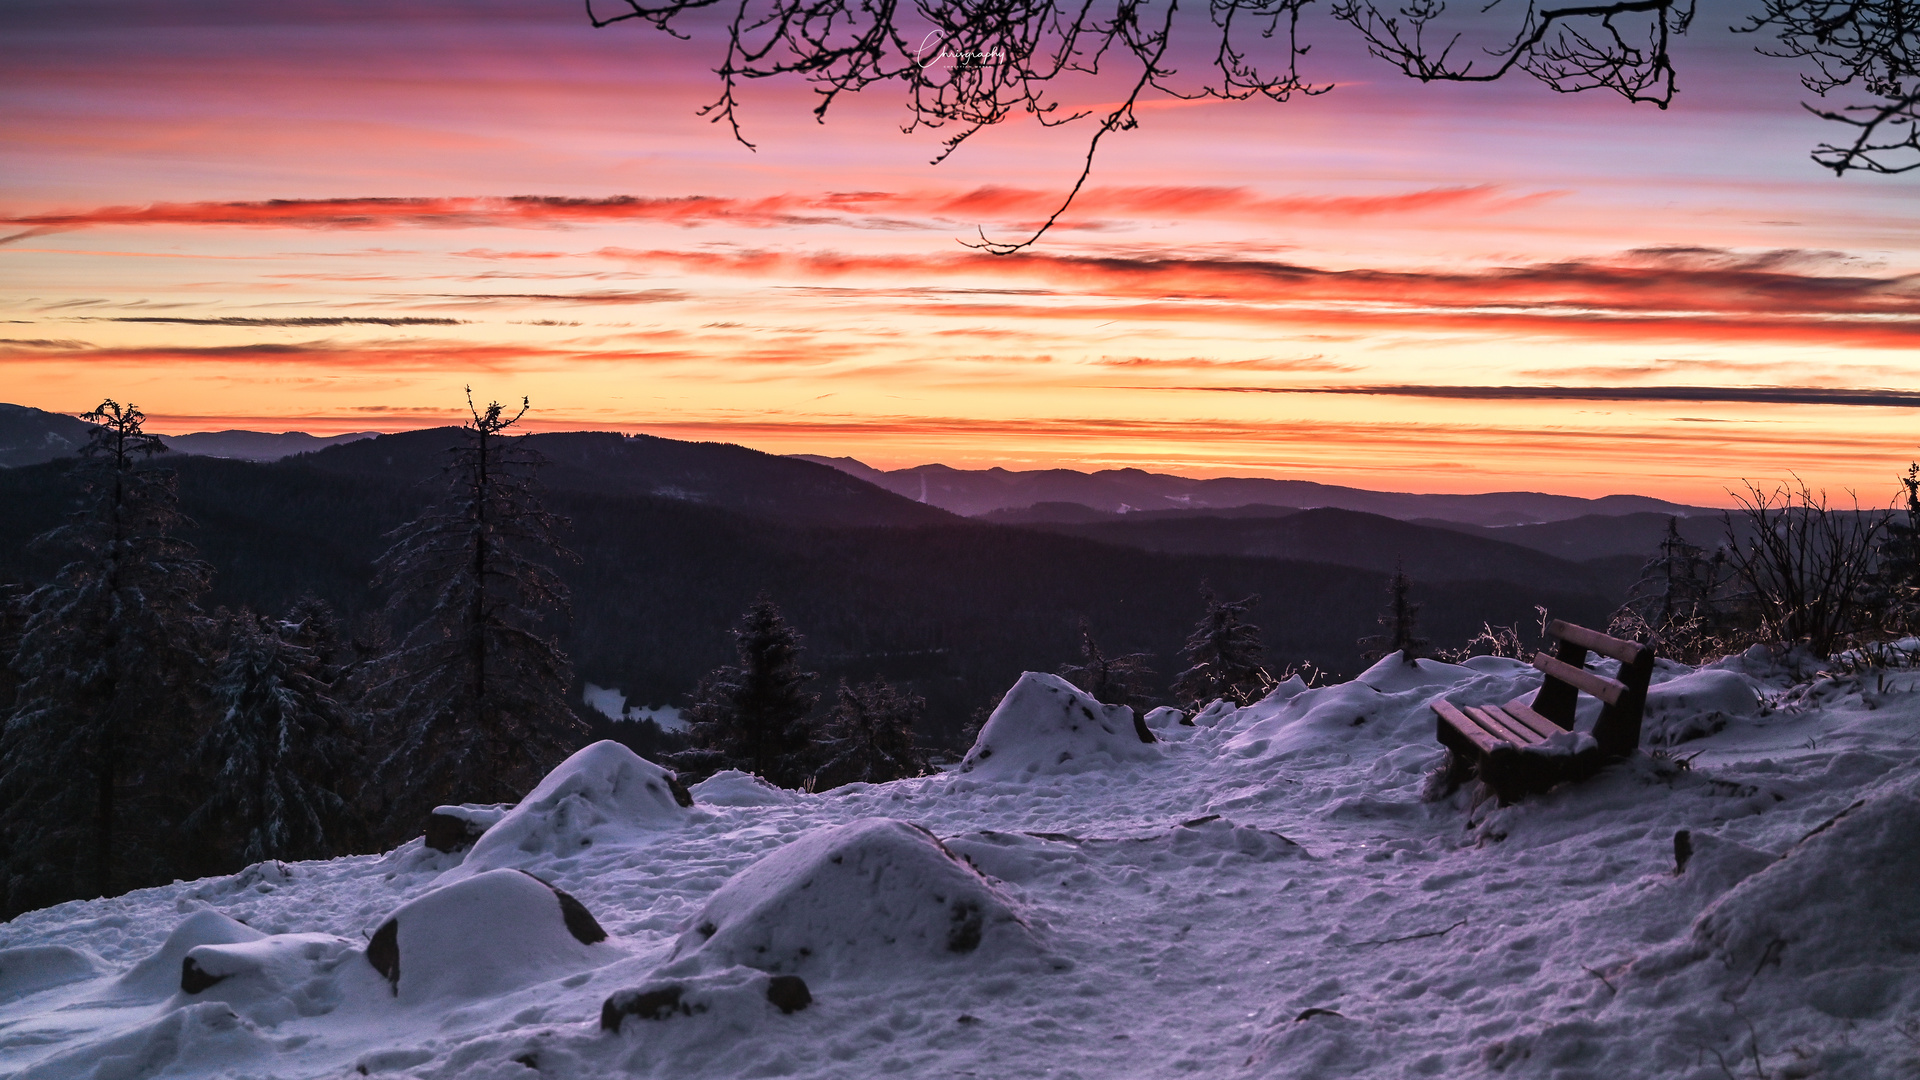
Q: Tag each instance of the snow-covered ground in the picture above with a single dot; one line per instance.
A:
(1264, 893)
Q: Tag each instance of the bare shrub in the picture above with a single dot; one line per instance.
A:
(1805, 575)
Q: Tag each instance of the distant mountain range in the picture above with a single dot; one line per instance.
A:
(257, 445)
(981, 492)
(30, 436)
(677, 538)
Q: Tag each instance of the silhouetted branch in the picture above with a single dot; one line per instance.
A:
(1868, 42)
(970, 65)
(1624, 47)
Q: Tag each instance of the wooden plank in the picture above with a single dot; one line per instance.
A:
(1502, 714)
(1473, 732)
(1506, 729)
(1521, 711)
(1607, 690)
(1605, 644)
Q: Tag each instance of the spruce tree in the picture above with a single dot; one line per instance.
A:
(281, 747)
(868, 737)
(1110, 680)
(110, 674)
(475, 694)
(1677, 600)
(1400, 621)
(1897, 582)
(753, 716)
(1223, 656)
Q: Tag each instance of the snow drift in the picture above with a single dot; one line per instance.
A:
(872, 896)
(600, 793)
(1839, 912)
(1045, 724)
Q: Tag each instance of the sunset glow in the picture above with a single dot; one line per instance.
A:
(332, 217)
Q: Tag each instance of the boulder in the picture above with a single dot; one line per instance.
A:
(455, 828)
(741, 992)
(485, 935)
(158, 975)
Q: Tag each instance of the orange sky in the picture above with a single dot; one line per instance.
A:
(332, 218)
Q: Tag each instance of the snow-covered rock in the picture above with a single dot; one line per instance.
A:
(1045, 724)
(484, 935)
(872, 896)
(604, 791)
(159, 974)
(272, 979)
(454, 828)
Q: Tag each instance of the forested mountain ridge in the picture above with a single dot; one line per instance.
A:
(956, 609)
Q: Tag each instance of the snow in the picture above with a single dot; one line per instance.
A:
(612, 704)
(1264, 894)
(1046, 725)
(602, 792)
(876, 894)
(485, 935)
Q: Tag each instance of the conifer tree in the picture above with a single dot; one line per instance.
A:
(1223, 656)
(1897, 583)
(753, 716)
(281, 746)
(868, 737)
(475, 693)
(1400, 621)
(1678, 599)
(110, 670)
(1110, 680)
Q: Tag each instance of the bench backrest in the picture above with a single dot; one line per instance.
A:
(1623, 700)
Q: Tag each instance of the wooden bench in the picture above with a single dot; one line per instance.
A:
(1507, 746)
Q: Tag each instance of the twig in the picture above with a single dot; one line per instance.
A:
(1410, 937)
(1599, 976)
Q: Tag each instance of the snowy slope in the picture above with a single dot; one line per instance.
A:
(1263, 894)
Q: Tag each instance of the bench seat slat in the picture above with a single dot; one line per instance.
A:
(1605, 644)
(1607, 690)
(1522, 711)
(1496, 721)
(1533, 735)
(1467, 727)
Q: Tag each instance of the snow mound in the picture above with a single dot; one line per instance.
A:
(1697, 704)
(159, 974)
(597, 795)
(32, 968)
(203, 1039)
(270, 980)
(875, 895)
(1837, 911)
(485, 935)
(1392, 674)
(1045, 724)
(731, 787)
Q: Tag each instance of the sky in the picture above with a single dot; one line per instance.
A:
(335, 216)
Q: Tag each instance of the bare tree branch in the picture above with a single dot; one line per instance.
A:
(1623, 46)
(1871, 43)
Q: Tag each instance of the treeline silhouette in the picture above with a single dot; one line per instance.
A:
(955, 611)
